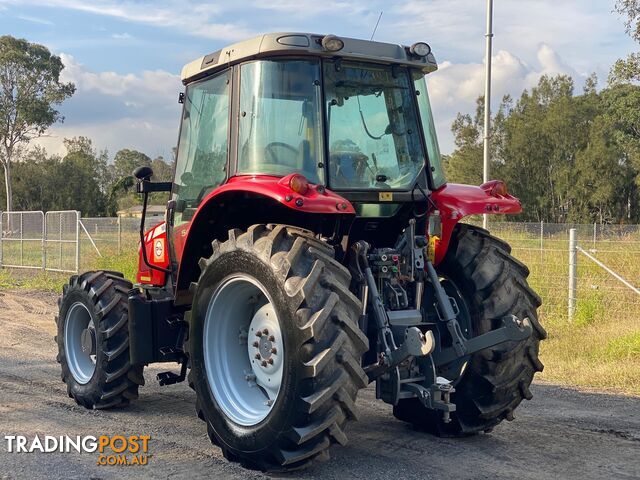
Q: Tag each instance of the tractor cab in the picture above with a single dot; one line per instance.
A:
(337, 111)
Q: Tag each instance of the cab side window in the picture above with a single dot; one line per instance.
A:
(202, 149)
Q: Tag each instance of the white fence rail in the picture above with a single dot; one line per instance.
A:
(62, 241)
(54, 240)
(36, 240)
(22, 239)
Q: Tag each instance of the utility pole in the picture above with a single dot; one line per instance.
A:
(487, 101)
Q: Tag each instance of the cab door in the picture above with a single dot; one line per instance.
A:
(203, 152)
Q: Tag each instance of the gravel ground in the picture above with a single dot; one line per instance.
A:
(561, 433)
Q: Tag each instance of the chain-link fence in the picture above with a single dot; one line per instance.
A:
(113, 235)
(544, 248)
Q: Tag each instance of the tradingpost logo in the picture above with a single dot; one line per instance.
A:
(111, 449)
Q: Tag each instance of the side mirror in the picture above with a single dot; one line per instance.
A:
(143, 174)
(145, 185)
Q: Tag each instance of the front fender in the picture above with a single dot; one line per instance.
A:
(155, 244)
(456, 201)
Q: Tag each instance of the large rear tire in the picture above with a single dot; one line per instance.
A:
(492, 284)
(274, 347)
(93, 341)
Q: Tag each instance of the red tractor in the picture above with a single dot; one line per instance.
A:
(311, 247)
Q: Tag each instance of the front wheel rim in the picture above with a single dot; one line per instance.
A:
(80, 343)
(243, 349)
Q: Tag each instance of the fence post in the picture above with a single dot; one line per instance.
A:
(60, 240)
(573, 267)
(595, 234)
(119, 235)
(1, 235)
(541, 234)
(21, 238)
(77, 241)
(44, 242)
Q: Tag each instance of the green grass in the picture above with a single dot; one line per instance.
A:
(625, 347)
(125, 263)
(590, 310)
(37, 279)
(32, 280)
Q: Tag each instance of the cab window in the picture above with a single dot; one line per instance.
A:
(202, 149)
(279, 120)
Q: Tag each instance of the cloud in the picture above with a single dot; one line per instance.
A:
(456, 86)
(117, 111)
(312, 8)
(121, 36)
(185, 16)
(41, 21)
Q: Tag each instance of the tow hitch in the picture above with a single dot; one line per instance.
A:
(405, 339)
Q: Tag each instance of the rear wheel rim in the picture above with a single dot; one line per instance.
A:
(81, 357)
(243, 349)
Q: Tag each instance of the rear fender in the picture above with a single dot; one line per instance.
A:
(455, 201)
(233, 205)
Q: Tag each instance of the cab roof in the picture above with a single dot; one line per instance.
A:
(294, 43)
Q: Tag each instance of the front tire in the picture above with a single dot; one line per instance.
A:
(93, 341)
(287, 273)
(492, 284)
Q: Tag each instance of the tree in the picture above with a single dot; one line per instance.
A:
(30, 88)
(464, 165)
(77, 178)
(628, 69)
(126, 161)
(593, 198)
(120, 193)
(162, 171)
(569, 158)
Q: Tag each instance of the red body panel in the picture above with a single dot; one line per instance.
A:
(316, 200)
(455, 201)
(155, 244)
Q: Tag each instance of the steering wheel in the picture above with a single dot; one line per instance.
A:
(271, 153)
(351, 169)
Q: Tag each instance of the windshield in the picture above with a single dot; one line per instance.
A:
(279, 124)
(373, 134)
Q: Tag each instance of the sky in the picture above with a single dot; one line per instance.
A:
(125, 56)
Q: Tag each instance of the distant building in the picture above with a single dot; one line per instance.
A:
(153, 211)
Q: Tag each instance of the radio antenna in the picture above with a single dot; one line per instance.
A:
(376, 27)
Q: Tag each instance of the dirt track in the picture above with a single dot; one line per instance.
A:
(561, 433)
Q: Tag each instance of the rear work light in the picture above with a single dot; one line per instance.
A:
(499, 189)
(420, 49)
(495, 188)
(299, 184)
(331, 43)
